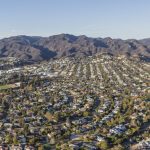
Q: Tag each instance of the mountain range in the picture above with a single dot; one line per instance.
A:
(35, 49)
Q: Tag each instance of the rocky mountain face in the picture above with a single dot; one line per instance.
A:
(146, 42)
(36, 49)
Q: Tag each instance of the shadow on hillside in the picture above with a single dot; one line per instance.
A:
(46, 53)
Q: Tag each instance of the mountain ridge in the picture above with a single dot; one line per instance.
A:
(36, 48)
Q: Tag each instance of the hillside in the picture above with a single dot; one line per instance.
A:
(36, 49)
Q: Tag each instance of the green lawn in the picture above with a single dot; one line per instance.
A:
(4, 87)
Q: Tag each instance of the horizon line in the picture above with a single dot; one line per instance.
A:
(42, 36)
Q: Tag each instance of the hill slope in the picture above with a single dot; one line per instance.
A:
(44, 48)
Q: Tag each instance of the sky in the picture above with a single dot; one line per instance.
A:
(95, 18)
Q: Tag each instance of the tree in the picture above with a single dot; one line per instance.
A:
(21, 121)
(32, 141)
(26, 129)
(15, 141)
(8, 139)
(85, 114)
(103, 145)
(46, 147)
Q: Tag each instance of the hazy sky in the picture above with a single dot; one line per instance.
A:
(95, 18)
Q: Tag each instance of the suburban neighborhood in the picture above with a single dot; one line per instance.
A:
(99, 102)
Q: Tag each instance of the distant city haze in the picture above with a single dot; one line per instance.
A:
(126, 19)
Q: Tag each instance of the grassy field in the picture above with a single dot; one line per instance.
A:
(4, 87)
(8, 86)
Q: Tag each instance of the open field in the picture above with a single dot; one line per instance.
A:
(7, 86)
(4, 87)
